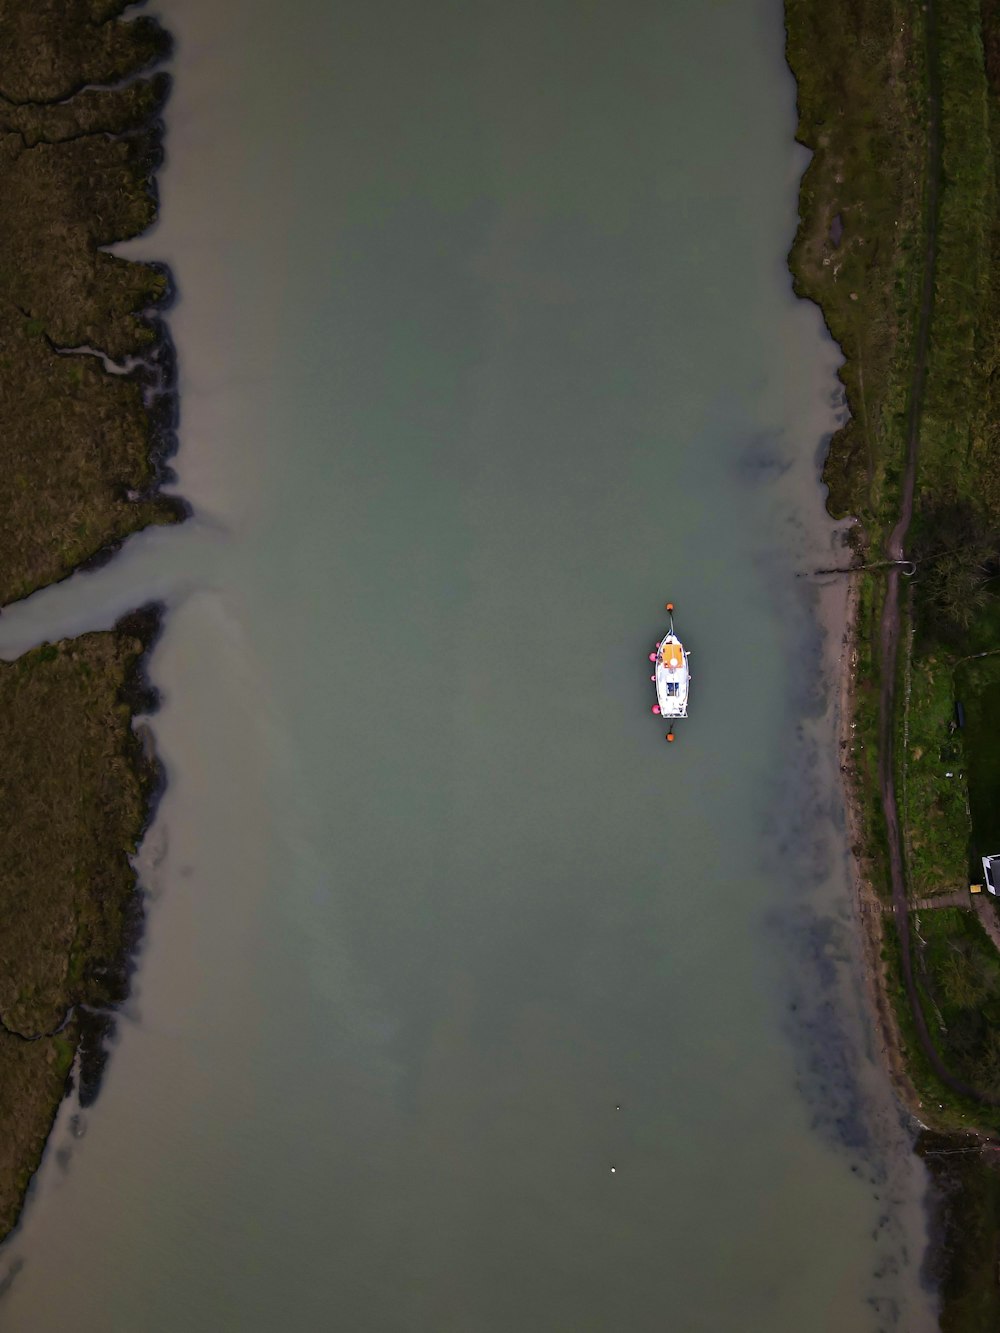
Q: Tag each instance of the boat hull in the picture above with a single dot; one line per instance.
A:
(673, 677)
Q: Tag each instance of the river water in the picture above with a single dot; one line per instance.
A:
(465, 1003)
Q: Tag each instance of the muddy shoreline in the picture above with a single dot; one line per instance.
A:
(88, 425)
(886, 240)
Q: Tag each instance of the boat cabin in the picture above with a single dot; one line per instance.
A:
(672, 656)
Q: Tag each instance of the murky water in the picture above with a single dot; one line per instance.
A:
(466, 1003)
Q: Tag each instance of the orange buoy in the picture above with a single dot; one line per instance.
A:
(670, 735)
(670, 606)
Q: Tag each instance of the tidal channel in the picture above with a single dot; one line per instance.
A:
(466, 1004)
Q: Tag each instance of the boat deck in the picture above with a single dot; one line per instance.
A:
(672, 678)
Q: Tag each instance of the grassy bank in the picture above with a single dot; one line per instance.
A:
(33, 1077)
(82, 455)
(871, 217)
(74, 789)
(74, 793)
(861, 91)
(960, 987)
(965, 1254)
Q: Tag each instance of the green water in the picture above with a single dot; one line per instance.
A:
(467, 1005)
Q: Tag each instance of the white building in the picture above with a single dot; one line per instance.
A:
(991, 873)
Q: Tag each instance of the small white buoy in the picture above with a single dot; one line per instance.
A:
(613, 1169)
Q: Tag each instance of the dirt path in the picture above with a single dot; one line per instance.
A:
(890, 624)
(960, 898)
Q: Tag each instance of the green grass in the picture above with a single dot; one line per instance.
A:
(958, 969)
(65, 1051)
(940, 1108)
(978, 686)
(862, 760)
(933, 807)
(963, 289)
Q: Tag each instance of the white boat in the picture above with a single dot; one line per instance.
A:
(672, 676)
